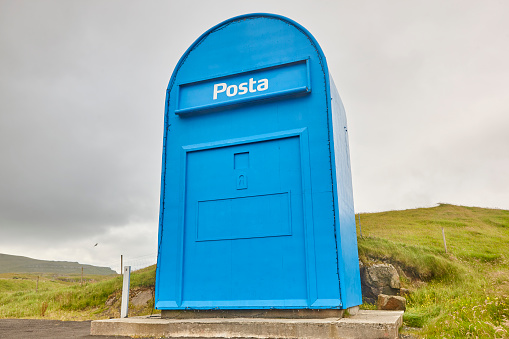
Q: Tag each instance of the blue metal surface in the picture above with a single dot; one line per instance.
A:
(256, 194)
(261, 84)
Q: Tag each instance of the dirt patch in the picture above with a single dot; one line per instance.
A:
(141, 302)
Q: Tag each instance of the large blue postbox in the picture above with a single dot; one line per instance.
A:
(256, 194)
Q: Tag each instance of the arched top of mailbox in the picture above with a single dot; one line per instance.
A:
(198, 59)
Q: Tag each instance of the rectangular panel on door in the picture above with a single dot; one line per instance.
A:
(243, 228)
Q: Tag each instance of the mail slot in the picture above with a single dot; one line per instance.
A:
(256, 208)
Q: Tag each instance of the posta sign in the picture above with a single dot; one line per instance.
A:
(233, 90)
(270, 82)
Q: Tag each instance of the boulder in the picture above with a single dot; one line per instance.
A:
(404, 292)
(379, 279)
(142, 298)
(391, 303)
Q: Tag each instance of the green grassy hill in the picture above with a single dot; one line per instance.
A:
(66, 298)
(19, 264)
(463, 293)
(472, 233)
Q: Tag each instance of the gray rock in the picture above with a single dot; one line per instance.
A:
(404, 292)
(142, 298)
(379, 279)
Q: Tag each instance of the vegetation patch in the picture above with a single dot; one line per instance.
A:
(463, 293)
(68, 299)
(415, 261)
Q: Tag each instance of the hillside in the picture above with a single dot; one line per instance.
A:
(463, 293)
(472, 233)
(19, 264)
(24, 295)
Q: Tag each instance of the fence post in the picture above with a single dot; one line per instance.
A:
(360, 228)
(443, 236)
(125, 292)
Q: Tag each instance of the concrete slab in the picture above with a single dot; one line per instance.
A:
(365, 325)
(270, 313)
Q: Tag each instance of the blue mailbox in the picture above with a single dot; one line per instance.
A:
(256, 194)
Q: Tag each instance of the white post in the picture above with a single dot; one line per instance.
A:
(360, 228)
(443, 236)
(125, 292)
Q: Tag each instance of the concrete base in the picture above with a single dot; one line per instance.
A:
(270, 313)
(365, 325)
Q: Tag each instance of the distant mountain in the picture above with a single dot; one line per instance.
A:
(19, 264)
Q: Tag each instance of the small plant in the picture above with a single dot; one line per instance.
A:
(368, 306)
(44, 307)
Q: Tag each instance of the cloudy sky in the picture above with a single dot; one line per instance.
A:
(82, 86)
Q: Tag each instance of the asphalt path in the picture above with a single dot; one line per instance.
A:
(37, 328)
(54, 329)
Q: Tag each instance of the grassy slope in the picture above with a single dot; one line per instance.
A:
(461, 294)
(471, 232)
(64, 298)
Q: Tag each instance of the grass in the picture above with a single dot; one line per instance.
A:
(472, 233)
(417, 261)
(460, 294)
(64, 298)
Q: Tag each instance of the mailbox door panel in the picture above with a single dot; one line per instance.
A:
(243, 226)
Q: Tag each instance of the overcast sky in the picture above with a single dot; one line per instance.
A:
(425, 85)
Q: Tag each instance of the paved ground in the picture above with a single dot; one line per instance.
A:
(52, 329)
(55, 329)
(46, 329)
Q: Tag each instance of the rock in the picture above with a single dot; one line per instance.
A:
(391, 303)
(404, 292)
(142, 298)
(379, 279)
(353, 310)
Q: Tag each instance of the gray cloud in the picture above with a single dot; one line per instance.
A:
(82, 88)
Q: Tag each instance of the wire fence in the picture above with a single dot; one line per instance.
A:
(140, 262)
(136, 263)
